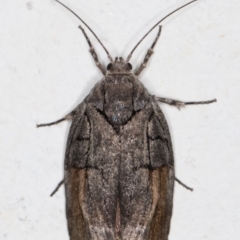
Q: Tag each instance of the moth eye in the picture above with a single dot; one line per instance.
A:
(109, 66)
(129, 66)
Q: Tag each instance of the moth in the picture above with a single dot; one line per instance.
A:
(119, 164)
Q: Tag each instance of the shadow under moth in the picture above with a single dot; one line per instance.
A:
(119, 165)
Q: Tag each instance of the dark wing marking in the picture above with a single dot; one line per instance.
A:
(161, 159)
(157, 143)
(79, 149)
(75, 133)
(160, 145)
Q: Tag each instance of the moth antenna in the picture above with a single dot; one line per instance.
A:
(130, 55)
(108, 54)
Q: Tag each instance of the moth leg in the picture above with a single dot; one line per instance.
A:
(67, 117)
(57, 187)
(93, 52)
(184, 185)
(180, 104)
(149, 54)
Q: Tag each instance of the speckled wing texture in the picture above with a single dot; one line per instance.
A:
(119, 178)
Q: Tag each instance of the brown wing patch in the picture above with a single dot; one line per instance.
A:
(74, 188)
(162, 182)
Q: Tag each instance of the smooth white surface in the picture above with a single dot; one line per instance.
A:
(46, 70)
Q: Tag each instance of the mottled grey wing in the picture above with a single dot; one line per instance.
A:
(74, 173)
(161, 158)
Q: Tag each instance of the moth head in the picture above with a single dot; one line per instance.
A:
(119, 66)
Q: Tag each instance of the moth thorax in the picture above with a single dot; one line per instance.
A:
(118, 105)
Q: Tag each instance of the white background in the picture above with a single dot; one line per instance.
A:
(46, 70)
